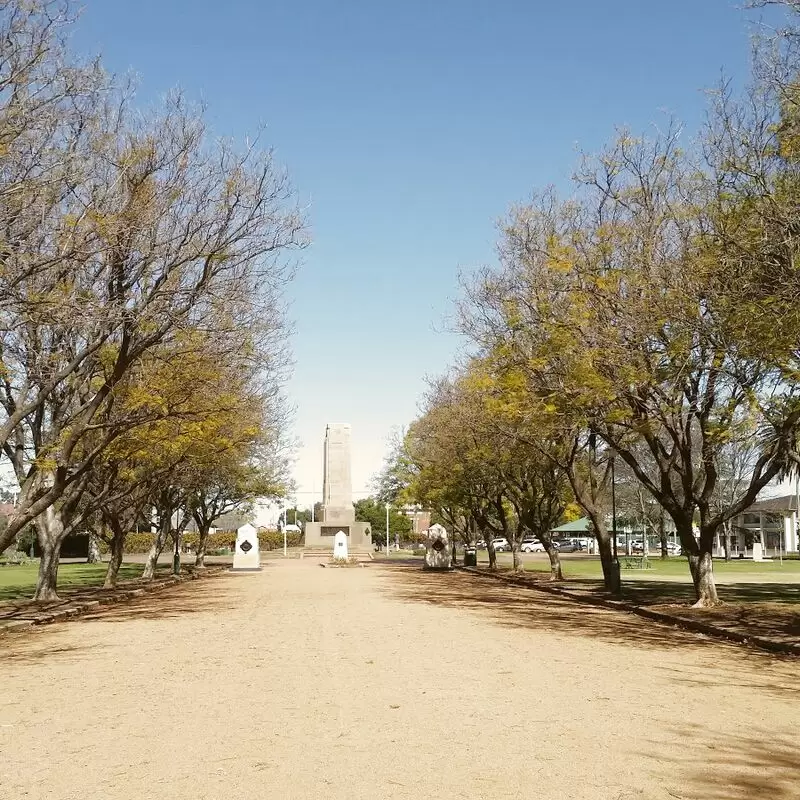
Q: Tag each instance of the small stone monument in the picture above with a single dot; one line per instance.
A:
(437, 549)
(340, 546)
(758, 551)
(245, 557)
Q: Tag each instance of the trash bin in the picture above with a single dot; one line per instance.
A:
(470, 557)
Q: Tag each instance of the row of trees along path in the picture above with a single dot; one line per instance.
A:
(142, 349)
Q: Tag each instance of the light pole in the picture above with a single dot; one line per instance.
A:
(387, 530)
(285, 512)
(176, 558)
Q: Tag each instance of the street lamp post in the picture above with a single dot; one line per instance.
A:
(387, 530)
(176, 559)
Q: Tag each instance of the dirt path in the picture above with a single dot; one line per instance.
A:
(384, 682)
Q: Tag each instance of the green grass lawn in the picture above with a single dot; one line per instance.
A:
(18, 582)
(669, 581)
(671, 569)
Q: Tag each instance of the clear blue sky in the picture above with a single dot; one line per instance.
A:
(410, 127)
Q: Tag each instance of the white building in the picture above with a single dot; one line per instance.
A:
(774, 522)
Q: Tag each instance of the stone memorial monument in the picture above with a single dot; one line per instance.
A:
(758, 551)
(437, 548)
(245, 556)
(338, 513)
(340, 547)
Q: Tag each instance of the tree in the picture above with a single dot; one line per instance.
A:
(450, 467)
(166, 231)
(308, 515)
(235, 486)
(373, 511)
(391, 481)
(615, 307)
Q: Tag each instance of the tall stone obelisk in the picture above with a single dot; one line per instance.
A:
(338, 513)
(337, 486)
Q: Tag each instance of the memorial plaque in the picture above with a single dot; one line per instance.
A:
(332, 530)
(245, 555)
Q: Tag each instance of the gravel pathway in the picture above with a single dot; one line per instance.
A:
(386, 682)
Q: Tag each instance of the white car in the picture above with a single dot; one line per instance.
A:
(532, 546)
(501, 545)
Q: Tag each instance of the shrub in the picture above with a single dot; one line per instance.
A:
(273, 540)
(219, 541)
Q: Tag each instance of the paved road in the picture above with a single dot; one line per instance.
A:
(385, 682)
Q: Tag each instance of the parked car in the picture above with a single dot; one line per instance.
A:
(579, 543)
(501, 545)
(637, 546)
(532, 546)
(583, 543)
(292, 528)
(566, 546)
(674, 548)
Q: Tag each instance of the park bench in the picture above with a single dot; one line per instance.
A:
(635, 562)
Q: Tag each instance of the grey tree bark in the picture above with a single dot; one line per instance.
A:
(50, 532)
(202, 545)
(162, 534)
(115, 561)
(95, 557)
(556, 573)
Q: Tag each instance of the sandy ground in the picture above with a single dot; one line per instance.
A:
(386, 682)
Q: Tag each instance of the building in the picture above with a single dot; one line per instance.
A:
(774, 522)
(420, 519)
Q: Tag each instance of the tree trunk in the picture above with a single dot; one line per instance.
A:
(202, 545)
(115, 562)
(50, 532)
(94, 549)
(662, 536)
(701, 565)
(555, 562)
(515, 559)
(702, 569)
(727, 540)
(491, 552)
(611, 576)
(47, 580)
(149, 571)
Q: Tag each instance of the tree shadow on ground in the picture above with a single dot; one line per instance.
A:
(35, 646)
(528, 608)
(198, 597)
(769, 610)
(733, 766)
(650, 592)
(212, 595)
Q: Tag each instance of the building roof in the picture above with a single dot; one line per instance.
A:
(786, 502)
(576, 526)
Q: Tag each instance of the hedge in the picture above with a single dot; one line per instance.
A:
(267, 540)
